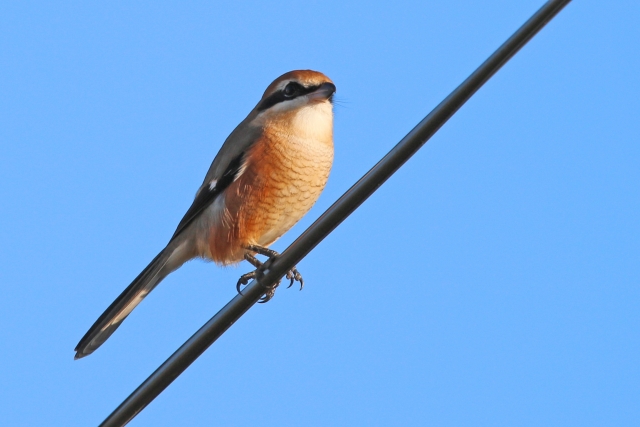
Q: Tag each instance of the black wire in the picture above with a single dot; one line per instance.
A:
(338, 212)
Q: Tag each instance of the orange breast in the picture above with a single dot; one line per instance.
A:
(283, 178)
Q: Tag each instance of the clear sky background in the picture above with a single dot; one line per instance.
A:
(493, 281)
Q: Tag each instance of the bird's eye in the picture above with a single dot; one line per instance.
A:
(291, 90)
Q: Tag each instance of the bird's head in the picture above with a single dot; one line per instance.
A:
(299, 102)
(296, 89)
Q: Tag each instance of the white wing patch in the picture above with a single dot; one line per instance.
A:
(243, 167)
(212, 184)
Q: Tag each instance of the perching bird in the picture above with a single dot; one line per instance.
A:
(267, 175)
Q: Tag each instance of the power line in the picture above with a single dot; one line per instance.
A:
(338, 212)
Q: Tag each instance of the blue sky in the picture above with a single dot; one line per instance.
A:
(492, 281)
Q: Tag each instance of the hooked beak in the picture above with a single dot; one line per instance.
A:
(323, 92)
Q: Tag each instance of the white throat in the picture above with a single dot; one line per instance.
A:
(313, 121)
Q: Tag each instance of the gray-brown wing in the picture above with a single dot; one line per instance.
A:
(225, 168)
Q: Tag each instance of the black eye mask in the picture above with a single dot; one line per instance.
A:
(291, 91)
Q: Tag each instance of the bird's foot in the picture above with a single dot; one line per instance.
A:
(293, 275)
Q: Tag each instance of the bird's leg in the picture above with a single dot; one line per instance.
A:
(253, 260)
(293, 275)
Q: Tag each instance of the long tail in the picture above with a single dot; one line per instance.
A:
(108, 322)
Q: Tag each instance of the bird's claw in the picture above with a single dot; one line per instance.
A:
(271, 291)
(294, 276)
(244, 280)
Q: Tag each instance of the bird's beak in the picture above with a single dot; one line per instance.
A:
(324, 91)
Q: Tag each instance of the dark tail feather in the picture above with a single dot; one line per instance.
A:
(113, 316)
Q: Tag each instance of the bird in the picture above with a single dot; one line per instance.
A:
(267, 175)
